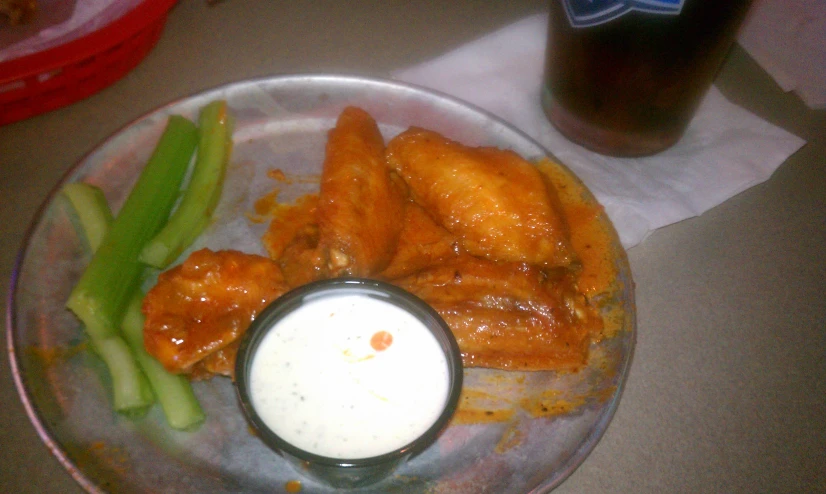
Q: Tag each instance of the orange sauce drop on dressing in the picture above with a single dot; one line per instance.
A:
(381, 341)
(293, 486)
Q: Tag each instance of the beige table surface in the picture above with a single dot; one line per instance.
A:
(727, 392)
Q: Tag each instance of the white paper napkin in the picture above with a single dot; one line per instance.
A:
(725, 150)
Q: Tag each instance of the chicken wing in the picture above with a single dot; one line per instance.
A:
(508, 315)
(500, 205)
(360, 204)
(205, 304)
(422, 243)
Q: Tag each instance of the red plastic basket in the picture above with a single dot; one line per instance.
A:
(56, 77)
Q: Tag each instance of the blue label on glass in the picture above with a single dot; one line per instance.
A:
(584, 13)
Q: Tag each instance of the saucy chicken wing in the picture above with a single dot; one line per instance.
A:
(508, 315)
(360, 205)
(422, 243)
(199, 308)
(500, 205)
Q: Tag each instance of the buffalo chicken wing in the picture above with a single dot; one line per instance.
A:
(360, 204)
(498, 204)
(508, 315)
(199, 308)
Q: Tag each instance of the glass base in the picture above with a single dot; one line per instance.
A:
(604, 141)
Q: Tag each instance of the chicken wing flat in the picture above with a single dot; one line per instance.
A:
(499, 204)
(360, 205)
(204, 305)
(422, 243)
(508, 315)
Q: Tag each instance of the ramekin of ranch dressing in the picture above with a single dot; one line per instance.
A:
(348, 378)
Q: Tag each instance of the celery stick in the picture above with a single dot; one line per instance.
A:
(92, 210)
(114, 273)
(131, 392)
(173, 391)
(203, 191)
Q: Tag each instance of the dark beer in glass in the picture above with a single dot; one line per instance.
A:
(624, 78)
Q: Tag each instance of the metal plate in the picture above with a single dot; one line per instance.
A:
(282, 122)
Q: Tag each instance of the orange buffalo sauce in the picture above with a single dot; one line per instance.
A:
(293, 486)
(381, 340)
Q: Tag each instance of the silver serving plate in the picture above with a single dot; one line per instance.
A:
(282, 123)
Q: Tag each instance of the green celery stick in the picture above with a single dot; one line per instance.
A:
(113, 275)
(92, 210)
(202, 193)
(107, 285)
(131, 392)
(173, 391)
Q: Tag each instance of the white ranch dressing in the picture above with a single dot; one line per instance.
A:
(317, 382)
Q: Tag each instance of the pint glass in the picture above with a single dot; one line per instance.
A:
(624, 77)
